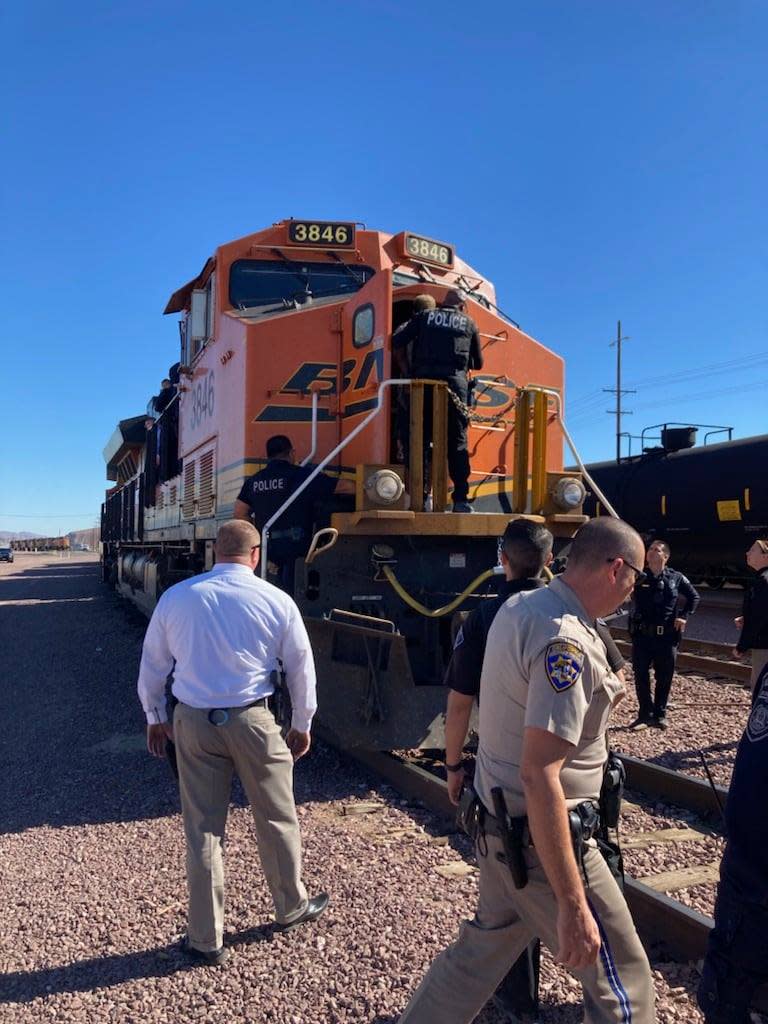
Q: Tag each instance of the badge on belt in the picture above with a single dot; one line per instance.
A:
(564, 661)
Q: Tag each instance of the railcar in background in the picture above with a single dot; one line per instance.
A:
(41, 544)
(708, 502)
(288, 330)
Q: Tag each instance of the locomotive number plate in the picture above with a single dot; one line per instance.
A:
(427, 250)
(322, 234)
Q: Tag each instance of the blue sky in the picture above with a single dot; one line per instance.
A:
(598, 161)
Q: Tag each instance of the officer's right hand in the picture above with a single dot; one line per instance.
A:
(578, 937)
(455, 782)
(739, 622)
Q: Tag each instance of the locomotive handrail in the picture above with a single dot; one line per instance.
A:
(559, 412)
(313, 447)
(395, 382)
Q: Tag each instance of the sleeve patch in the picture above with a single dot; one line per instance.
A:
(564, 661)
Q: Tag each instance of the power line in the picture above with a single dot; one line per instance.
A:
(580, 404)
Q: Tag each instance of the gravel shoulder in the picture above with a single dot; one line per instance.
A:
(92, 859)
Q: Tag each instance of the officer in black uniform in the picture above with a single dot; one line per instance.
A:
(736, 963)
(446, 344)
(262, 495)
(661, 603)
(526, 548)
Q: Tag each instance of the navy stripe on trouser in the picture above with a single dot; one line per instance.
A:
(611, 971)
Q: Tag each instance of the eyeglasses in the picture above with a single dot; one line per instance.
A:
(639, 573)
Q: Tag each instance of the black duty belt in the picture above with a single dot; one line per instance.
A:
(653, 630)
(295, 533)
(219, 716)
(589, 814)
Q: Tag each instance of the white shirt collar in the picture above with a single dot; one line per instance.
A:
(235, 567)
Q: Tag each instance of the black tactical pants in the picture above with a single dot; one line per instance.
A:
(458, 453)
(735, 963)
(658, 653)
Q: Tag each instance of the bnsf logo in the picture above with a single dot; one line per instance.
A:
(358, 375)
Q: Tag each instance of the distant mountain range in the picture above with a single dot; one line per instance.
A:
(6, 535)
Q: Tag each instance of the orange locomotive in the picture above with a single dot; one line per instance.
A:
(289, 330)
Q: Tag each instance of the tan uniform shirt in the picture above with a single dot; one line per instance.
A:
(545, 666)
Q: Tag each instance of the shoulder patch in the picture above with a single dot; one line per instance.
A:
(564, 661)
(757, 725)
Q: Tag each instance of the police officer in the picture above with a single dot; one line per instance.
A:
(547, 691)
(446, 344)
(526, 548)
(735, 963)
(402, 358)
(263, 494)
(661, 604)
(753, 621)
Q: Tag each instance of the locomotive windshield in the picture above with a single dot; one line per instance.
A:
(267, 283)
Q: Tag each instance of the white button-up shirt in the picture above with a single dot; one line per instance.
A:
(225, 630)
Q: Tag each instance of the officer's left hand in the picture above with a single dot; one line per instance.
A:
(298, 743)
(157, 736)
(680, 625)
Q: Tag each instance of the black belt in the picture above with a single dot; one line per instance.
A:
(219, 716)
(295, 533)
(492, 827)
(652, 630)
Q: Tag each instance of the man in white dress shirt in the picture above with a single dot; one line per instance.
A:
(223, 633)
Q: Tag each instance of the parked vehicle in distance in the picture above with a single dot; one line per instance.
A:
(6, 553)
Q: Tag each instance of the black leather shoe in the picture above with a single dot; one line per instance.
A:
(209, 957)
(315, 908)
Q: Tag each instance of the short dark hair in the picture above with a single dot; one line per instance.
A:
(527, 545)
(453, 299)
(603, 538)
(278, 445)
(662, 544)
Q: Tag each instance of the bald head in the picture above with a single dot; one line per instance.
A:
(603, 563)
(236, 540)
(605, 538)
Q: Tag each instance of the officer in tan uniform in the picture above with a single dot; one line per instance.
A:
(547, 694)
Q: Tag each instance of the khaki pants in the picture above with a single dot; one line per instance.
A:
(617, 989)
(759, 661)
(250, 744)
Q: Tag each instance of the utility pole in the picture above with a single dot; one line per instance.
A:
(618, 390)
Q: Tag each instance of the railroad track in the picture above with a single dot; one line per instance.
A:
(658, 917)
(705, 656)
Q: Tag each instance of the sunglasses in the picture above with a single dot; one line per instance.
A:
(639, 573)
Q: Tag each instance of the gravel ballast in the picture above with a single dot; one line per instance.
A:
(92, 854)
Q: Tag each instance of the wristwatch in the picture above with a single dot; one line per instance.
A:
(454, 767)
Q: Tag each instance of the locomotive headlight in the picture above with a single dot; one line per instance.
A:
(569, 493)
(384, 486)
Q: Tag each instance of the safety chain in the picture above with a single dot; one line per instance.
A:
(473, 417)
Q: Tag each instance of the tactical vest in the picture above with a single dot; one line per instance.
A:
(442, 347)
